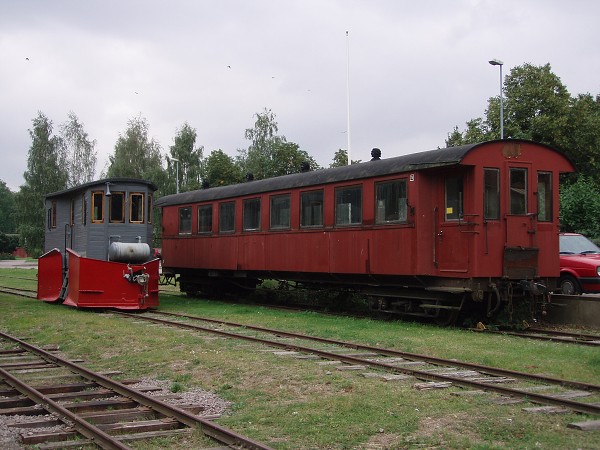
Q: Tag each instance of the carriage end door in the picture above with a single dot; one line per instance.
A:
(452, 243)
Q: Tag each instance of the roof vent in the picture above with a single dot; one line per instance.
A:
(376, 154)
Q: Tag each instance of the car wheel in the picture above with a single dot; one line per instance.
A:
(568, 285)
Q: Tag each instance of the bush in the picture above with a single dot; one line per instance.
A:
(8, 243)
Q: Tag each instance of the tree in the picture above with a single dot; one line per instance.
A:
(221, 170)
(45, 173)
(8, 208)
(340, 158)
(136, 155)
(582, 137)
(190, 160)
(79, 152)
(270, 155)
(580, 207)
(536, 107)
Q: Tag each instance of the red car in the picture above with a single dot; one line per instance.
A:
(579, 265)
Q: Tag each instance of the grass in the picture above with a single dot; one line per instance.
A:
(297, 404)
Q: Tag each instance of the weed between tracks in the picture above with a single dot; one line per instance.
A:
(298, 404)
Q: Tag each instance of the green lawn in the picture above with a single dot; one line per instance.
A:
(297, 404)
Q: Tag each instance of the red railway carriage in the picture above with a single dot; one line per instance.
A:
(426, 234)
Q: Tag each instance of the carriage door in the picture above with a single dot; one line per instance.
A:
(521, 247)
(452, 242)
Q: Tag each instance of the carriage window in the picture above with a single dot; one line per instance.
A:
(390, 202)
(491, 194)
(97, 207)
(280, 211)
(205, 219)
(544, 196)
(311, 209)
(185, 220)
(136, 208)
(251, 214)
(227, 217)
(518, 191)
(149, 208)
(454, 198)
(116, 207)
(348, 206)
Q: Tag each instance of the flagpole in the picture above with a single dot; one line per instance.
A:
(348, 94)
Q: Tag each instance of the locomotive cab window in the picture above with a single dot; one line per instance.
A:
(51, 221)
(149, 208)
(185, 220)
(544, 196)
(227, 217)
(251, 214)
(136, 207)
(98, 207)
(454, 198)
(83, 210)
(390, 202)
(518, 191)
(280, 212)
(205, 219)
(348, 205)
(491, 194)
(311, 209)
(116, 207)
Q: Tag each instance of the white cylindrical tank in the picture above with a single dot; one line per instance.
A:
(129, 253)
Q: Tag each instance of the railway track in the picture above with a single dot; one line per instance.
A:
(21, 292)
(575, 338)
(543, 334)
(432, 372)
(94, 410)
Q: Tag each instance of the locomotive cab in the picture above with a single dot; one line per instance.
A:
(97, 243)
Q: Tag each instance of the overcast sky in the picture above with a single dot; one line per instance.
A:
(417, 69)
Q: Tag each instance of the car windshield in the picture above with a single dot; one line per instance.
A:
(577, 245)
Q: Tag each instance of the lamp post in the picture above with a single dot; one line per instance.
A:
(176, 174)
(497, 62)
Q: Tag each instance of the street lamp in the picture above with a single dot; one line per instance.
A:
(176, 175)
(497, 62)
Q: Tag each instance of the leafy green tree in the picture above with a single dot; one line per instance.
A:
(136, 154)
(536, 107)
(220, 170)
(340, 158)
(79, 152)
(270, 155)
(190, 160)
(45, 173)
(581, 140)
(8, 208)
(580, 207)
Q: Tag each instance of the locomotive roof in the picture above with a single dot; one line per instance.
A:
(91, 184)
(405, 163)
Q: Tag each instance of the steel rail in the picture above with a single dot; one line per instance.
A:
(390, 352)
(18, 291)
(88, 430)
(220, 433)
(562, 337)
(421, 374)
